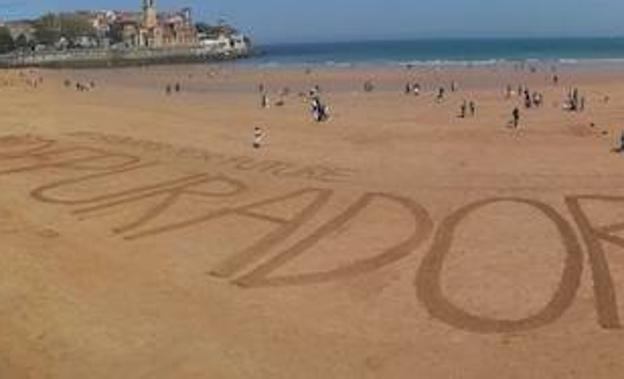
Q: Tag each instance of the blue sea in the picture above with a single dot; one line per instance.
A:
(441, 52)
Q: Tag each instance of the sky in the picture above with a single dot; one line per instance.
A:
(274, 21)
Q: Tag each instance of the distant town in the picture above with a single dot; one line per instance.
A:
(91, 38)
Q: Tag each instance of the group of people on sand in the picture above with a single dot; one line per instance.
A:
(31, 78)
(79, 86)
(468, 108)
(530, 99)
(265, 102)
(318, 109)
(169, 89)
(574, 101)
(412, 89)
(35, 80)
(442, 91)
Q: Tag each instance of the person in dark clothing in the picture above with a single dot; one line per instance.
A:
(473, 108)
(319, 110)
(528, 102)
(264, 101)
(440, 96)
(516, 117)
(258, 136)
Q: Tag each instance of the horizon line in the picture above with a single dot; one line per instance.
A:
(440, 38)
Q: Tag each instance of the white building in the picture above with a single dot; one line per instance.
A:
(233, 44)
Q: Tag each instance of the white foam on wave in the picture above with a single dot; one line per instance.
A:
(432, 63)
(338, 64)
(269, 65)
(452, 63)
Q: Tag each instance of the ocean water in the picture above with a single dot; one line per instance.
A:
(442, 52)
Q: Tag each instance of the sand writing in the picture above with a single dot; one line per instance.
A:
(168, 193)
(256, 266)
(429, 288)
(171, 191)
(259, 277)
(279, 169)
(604, 291)
(42, 154)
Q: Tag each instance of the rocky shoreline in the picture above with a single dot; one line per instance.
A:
(102, 58)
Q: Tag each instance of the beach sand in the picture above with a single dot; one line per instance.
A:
(143, 236)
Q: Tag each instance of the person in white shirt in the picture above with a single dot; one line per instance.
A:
(258, 137)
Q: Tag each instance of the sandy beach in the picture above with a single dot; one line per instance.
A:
(143, 236)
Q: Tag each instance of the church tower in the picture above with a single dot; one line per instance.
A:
(149, 14)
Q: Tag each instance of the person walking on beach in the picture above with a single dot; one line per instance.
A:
(440, 96)
(528, 101)
(408, 89)
(258, 136)
(416, 89)
(319, 110)
(454, 86)
(537, 99)
(264, 101)
(473, 108)
(462, 109)
(621, 148)
(516, 117)
(178, 88)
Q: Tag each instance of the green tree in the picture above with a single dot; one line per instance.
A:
(116, 33)
(215, 31)
(21, 42)
(6, 41)
(73, 26)
(48, 29)
(51, 27)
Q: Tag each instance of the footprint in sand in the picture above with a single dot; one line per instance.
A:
(9, 224)
(47, 233)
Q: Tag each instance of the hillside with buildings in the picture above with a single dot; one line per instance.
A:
(117, 36)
